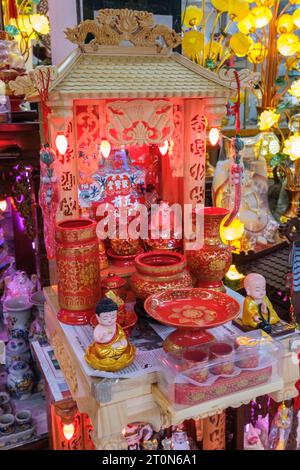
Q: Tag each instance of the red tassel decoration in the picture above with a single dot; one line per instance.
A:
(12, 9)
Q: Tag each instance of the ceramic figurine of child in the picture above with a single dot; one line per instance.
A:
(110, 350)
(258, 311)
(180, 440)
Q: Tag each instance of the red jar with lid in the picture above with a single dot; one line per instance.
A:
(114, 283)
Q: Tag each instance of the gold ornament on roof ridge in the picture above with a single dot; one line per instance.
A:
(113, 26)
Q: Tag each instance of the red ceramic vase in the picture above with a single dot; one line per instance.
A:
(210, 263)
(77, 256)
(157, 271)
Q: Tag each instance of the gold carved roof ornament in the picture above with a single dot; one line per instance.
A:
(112, 27)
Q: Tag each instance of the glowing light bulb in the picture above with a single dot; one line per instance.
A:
(3, 205)
(61, 143)
(164, 148)
(105, 148)
(68, 431)
(214, 136)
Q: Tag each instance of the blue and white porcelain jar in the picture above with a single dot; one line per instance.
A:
(20, 380)
(17, 350)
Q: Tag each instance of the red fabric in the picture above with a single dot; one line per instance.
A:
(297, 400)
(12, 9)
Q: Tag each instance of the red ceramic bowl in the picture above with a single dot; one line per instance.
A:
(199, 359)
(225, 353)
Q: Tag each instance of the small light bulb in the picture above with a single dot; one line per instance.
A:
(214, 136)
(61, 143)
(164, 148)
(105, 148)
(3, 205)
(68, 431)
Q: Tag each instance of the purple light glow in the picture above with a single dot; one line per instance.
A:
(20, 223)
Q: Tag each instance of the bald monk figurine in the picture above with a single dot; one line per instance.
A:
(111, 350)
(258, 311)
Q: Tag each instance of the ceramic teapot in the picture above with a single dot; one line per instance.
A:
(19, 285)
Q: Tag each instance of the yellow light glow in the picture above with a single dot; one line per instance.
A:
(296, 18)
(268, 119)
(164, 148)
(238, 9)
(220, 5)
(240, 44)
(61, 143)
(214, 136)
(192, 44)
(192, 16)
(285, 24)
(265, 3)
(40, 23)
(288, 44)
(105, 148)
(261, 16)
(233, 232)
(292, 147)
(257, 53)
(3, 205)
(246, 25)
(295, 88)
(68, 431)
(233, 274)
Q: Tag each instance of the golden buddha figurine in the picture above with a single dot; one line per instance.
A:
(110, 350)
(258, 311)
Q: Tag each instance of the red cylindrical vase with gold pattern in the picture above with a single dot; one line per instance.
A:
(77, 257)
(157, 271)
(210, 263)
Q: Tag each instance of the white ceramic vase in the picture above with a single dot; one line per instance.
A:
(19, 317)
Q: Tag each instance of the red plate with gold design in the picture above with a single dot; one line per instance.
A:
(191, 311)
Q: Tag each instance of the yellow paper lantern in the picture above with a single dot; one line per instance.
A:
(288, 44)
(261, 16)
(292, 147)
(285, 24)
(213, 51)
(192, 16)
(296, 18)
(40, 23)
(220, 5)
(257, 53)
(192, 44)
(295, 89)
(238, 9)
(240, 44)
(247, 25)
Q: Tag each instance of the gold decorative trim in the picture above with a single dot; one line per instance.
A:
(65, 363)
(35, 80)
(113, 26)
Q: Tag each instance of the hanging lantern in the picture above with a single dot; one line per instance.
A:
(192, 16)
(261, 16)
(240, 44)
(285, 24)
(68, 431)
(164, 148)
(61, 143)
(288, 44)
(3, 205)
(257, 53)
(214, 136)
(105, 148)
(296, 18)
